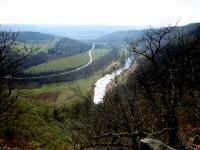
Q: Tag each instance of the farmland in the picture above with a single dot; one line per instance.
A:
(65, 90)
(67, 63)
(42, 46)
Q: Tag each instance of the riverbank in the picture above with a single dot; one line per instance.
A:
(102, 83)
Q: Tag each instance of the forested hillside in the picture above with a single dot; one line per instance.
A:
(158, 98)
(121, 37)
(67, 46)
(99, 74)
(33, 37)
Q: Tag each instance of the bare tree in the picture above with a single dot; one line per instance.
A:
(167, 71)
(172, 53)
(10, 60)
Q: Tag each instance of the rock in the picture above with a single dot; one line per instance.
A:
(196, 140)
(151, 144)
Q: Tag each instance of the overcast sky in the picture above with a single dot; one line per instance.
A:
(99, 12)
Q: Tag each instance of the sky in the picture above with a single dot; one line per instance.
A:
(99, 12)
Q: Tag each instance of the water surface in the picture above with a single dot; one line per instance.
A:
(101, 84)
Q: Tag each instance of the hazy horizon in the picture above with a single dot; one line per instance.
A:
(96, 12)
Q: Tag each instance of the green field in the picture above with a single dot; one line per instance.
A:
(40, 109)
(98, 53)
(65, 90)
(43, 46)
(67, 63)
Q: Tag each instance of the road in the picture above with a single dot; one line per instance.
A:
(65, 72)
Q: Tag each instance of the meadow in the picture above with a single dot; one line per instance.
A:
(49, 107)
(67, 63)
(42, 46)
(64, 93)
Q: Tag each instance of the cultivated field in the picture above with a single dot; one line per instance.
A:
(63, 93)
(67, 63)
(43, 46)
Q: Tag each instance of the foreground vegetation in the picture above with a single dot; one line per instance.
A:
(159, 99)
(41, 117)
(44, 121)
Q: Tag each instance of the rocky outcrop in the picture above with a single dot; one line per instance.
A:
(152, 144)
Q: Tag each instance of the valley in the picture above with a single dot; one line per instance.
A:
(106, 91)
(77, 71)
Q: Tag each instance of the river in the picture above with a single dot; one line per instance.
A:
(101, 84)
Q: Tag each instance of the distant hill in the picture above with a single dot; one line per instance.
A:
(121, 36)
(193, 27)
(67, 46)
(79, 32)
(33, 36)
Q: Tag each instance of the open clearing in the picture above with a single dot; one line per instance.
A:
(67, 95)
(43, 46)
(67, 63)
